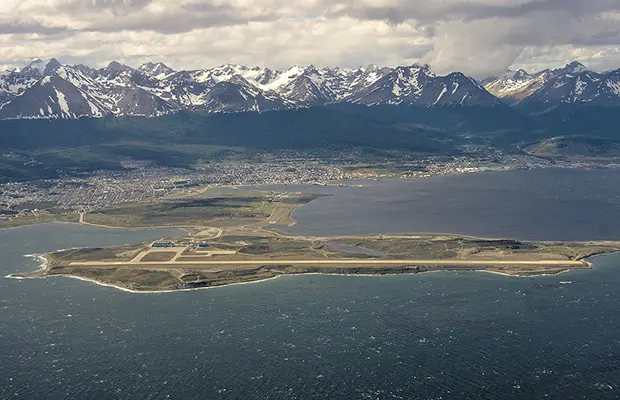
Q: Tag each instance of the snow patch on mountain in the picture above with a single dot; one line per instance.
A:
(62, 102)
(614, 86)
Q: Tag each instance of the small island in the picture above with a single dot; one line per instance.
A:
(231, 240)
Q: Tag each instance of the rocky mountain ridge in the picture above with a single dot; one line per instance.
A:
(48, 89)
(573, 84)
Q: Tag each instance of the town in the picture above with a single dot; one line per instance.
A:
(140, 180)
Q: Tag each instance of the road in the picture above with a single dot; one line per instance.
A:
(282, 212)
(218, 231)
(337, 262)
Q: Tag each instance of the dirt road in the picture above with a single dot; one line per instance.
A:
(188, 229)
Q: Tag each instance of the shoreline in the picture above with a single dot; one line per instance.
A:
(354, 236)
(331, 183)
(124, 289)
(164, 291)
(523, 276)
(126, 228)
(44, 263)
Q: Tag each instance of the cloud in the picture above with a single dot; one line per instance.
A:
(478, 37)
(450, 10)
(185, 18)
(118, 7)
(29, 27)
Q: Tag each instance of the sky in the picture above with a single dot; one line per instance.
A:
(478, 37)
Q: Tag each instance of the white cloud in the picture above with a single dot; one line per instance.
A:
(479, 37)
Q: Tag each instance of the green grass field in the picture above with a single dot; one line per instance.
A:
(191, 211)
(30, 220)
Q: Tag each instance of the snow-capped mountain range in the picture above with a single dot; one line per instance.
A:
(48, 89)
(572, 84)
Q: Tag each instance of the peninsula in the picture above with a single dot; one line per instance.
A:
(228, 241)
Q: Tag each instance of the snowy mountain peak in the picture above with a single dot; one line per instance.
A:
(418, 85)
(118, 67)
(310, 69)
(369, 68)
(85, 69)
(521, 75)
(422, 68)
(51, 66)
(241, 81)
(40, 67)
(265, 75)
(157, 70)
(37, 65)
(574, 67)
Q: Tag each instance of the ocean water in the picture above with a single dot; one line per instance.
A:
(430, 336)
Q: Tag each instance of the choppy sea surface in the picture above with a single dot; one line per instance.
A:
(430, 336)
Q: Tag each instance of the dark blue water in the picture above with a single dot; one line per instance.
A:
(552, 204)
(431, 336)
